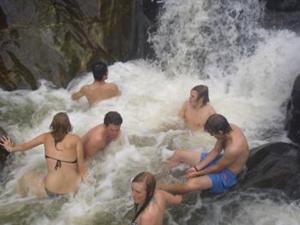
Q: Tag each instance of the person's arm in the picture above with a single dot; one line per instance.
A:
(171, 199)
(10, 147)
(77, 95)
(181, 113)
(80, 158)
(182, 188)
(93, 145)
(227, 159)
(194, 171)
(116, 89)
(217, 149)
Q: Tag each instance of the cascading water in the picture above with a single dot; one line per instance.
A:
(197, 35)
(249, 71)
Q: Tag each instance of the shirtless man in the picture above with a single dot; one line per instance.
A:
(99, 90)
(215, 171)
(100, 136)
(197, 109)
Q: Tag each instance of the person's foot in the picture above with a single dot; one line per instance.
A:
(170, 164)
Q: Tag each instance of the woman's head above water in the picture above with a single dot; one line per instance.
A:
(143, 188)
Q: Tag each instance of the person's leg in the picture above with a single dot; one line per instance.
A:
(32, 182)
(189, 157)
(193, 184)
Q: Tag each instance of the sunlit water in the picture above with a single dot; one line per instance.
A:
(249, 72)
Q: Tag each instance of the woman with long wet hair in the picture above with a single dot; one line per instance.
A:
(149, 202)
(64, 159)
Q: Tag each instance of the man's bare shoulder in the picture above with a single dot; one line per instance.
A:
(210, 109)
(239, 141)
(85, 88)
(113, 87)
(96, 130)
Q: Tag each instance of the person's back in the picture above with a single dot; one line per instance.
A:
(64, 159)
(237, 144)
(62, 164)
(154, 213)
(99, 90)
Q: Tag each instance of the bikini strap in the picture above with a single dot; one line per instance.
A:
(58, 164)
(59, 161)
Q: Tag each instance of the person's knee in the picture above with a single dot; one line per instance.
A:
(179, 153)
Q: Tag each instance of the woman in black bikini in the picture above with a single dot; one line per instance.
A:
(64, 158)
(149, 202)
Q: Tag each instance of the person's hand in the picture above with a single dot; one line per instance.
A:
(191, 172)
(6, 143)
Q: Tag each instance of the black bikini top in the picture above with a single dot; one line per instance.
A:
(59, 161)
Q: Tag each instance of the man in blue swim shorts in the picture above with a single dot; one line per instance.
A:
(216, 170)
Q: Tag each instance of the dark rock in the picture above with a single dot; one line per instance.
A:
(3, 23)
(151, 8)
(283, 5)
(293, 113)
(56, 39)
(273, 166)
(3, 152)
(282, 14)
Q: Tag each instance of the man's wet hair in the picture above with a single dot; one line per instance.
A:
(216, 123)
(202, 91)
(99, 70)
(113, 117)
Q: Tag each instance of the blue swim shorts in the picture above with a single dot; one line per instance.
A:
(222, 180)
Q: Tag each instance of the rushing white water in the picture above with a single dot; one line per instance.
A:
(249, 71)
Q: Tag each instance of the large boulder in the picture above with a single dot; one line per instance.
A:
(273, 166)
(57, 40)
(282, 14)
(293, 113)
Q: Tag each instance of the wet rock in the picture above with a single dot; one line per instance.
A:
(3, 152)
(293, 113)
(151, 8)
(3, 22)
(283, 5)
(56, 40)
(273, 166)
(282, 14)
